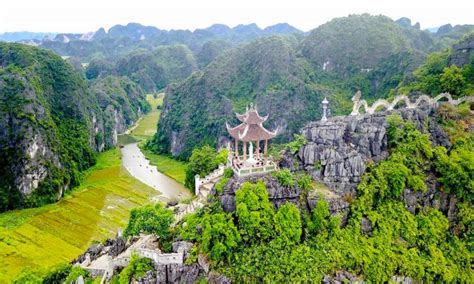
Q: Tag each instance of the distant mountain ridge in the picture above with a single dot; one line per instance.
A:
(25, 36)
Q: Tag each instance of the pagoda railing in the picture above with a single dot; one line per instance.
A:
(263, 166)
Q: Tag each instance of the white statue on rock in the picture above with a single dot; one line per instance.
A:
(251, 158)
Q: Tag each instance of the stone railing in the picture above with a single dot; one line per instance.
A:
(161, 258)
(268, 167)
(358, 103)
(198, 181)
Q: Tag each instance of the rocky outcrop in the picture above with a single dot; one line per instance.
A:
(462, 52)
(277, 194)
(339, 148)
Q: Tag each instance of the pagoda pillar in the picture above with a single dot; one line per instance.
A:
(245, 150)
(266, 148)
(257, 151)
(236, 147)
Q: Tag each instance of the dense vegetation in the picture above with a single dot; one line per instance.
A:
(258, 244)
(202, 162)
(439, 73)
(52, 124)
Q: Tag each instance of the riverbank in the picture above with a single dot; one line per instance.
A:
(145, 129)
(140, 168)
(41, 238)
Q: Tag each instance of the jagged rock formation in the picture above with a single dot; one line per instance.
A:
(462, 52)
(277, 194)
(338, 149)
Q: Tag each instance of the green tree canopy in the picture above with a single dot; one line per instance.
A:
(288, 224)
(151, 219)
(254, 212)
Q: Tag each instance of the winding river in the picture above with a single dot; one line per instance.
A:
(140, 168)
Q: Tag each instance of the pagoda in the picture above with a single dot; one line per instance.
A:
(251, 130)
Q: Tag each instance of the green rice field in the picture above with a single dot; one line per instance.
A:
(146, 128)
(41, 238)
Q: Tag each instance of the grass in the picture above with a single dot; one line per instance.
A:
(167, 165)
(41, 238)
(146, 127)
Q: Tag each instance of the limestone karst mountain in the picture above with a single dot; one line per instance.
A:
(289, 76)
(51, 123)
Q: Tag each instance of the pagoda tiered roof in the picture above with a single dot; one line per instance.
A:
(251, 128)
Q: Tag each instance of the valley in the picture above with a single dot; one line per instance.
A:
(135, 154)
(39, 239)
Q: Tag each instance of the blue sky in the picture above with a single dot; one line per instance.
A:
(89, 15)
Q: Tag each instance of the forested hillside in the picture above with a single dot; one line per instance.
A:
(288, 76)
(151, 70)
(51, 124)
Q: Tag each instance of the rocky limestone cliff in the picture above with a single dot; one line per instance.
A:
(51, 124)
(339, 148)
(462, 53)
(277, 194)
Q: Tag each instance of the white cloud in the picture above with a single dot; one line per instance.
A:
(89, 15)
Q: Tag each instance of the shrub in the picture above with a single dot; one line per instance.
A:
(137, 268)
(288, 224)
(285, 177)
(75, 272)
(254, 212)
(305, 182)
(151, 219)
(298, 142)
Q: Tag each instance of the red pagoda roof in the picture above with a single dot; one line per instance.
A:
(251, 128)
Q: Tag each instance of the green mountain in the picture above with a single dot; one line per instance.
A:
(288, 76)
(353, 44)
(51, 124)
(151, 70)
(266, 72)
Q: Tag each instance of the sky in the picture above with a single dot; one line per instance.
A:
(80, 16)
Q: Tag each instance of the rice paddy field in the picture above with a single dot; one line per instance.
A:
(41, 238)
(146, 127)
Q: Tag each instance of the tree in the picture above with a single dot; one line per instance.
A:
(320, 217)
(254, 212)
(456, 170)
(288, 224)
(452, 80)
(202, 162)
(151, 219)
(219, 236)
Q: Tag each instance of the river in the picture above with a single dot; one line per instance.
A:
(139, 167)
